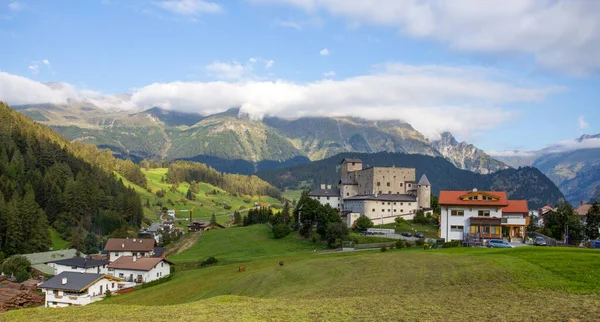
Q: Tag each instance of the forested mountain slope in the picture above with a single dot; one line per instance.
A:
(47, 181)
(523, 183)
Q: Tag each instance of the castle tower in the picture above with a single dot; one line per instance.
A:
(424, 192)
(348, 168)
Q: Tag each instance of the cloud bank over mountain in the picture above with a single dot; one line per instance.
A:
(432, 98)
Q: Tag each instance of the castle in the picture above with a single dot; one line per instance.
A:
(380, 193)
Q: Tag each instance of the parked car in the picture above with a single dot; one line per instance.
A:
(419, 235)
(407, 234)
(499, 243)
(539, 241)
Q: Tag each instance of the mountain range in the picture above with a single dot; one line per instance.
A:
(233, 142)
(574, 166)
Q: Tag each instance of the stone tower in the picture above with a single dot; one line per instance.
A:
(348, 168)
(424, 192)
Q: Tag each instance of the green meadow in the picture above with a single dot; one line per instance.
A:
(460, 284)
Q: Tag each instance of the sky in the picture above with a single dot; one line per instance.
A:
(504, 75)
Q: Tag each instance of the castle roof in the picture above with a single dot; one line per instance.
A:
(424, 181)
(351, 160)
(385, 197)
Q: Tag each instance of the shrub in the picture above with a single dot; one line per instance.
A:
(161, 193)
(226, 206)
(399, 244)
(383, 248)
(421, 219)
(108, 293)
(399, 221)
(409, 243)
(363, 223)
(281, 230)
(419, 242)
(211, 260)
(247, 200)
(451, 244)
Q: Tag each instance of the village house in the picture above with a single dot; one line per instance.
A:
(380, 193)
(475, 216)
(80, 265)
(327, 195)
(140, 247)
(40, 261)
(583, 209)
(71, 288)
(140, 269)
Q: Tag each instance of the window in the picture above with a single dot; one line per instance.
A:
(390, 192)
(160, 273)
(402, 204)
(55, 292)
(388, 184)
(395, 210)
(389, 203)
(457, 228)
(401, 210)
(347, 193)
(485, 229)
(409, 185)
(117, 254)
(382, 210)
(352, 163)
(378, 184)
(157, 275)
(394, 203)
(373, 210)
(121, 275)
(483, 213)
(460, 213)
(409, 203)
(327, 198)
(113, 285)
(388, 210)
(73, 267)
(162, 264)
(401, 184)
(380, 192)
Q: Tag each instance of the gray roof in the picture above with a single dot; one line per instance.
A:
(348, 181)
(46, 257)
(352, 160)
(385, 197)
(424, 181)
(43, 268)
(333, 192)
(75, 281)
(81, 262)
(158, 251)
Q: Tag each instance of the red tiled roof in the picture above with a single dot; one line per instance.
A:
(516, 206)
(450, 198)
(130, 245)
(583, 209)
(140, 264)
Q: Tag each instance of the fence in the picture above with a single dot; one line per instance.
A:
(374, 245)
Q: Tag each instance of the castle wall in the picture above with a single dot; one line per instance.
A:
(383, 180)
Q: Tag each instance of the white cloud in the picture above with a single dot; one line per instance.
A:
(46, 62)
(431, 98)
(324, 52)
(235, 70)
(15, 6)
(570, 145)
(514, 153)
(269, 63)
(582, 123)
(558, 34)
(190, 7)
(329, 73)
(290, 24)
(34, 68)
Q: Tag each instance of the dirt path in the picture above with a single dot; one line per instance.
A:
(189, 240)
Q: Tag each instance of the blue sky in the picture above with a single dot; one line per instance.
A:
(520, 76)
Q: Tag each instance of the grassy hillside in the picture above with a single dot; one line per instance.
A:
(209, 200)
(244, 244)
(453, 284)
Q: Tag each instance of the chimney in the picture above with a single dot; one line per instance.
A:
(134, 258)
(122, 245)
(328, 186)
(322, 186)
(64, 280)
(141, 240)
(134, 240)
(580, 203)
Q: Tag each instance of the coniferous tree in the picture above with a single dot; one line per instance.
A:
(593, 222)
(91, 244)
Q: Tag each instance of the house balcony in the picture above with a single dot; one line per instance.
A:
(514, 221)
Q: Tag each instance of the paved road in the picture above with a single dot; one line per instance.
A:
(395, 236)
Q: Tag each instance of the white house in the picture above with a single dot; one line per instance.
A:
(71, 288)
(481, 215)
(140, 269)
(139, 247)
(327, 195)
(80, 265)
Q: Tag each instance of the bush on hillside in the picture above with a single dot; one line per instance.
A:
(363, 223)
(281, 230)
(399, 221)
(383, 248)
(400, 244)
(409, 243)
(451, 244)
(419, 242)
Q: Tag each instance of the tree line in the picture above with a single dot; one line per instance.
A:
(46, 182)
(187, 171)
(565, 221)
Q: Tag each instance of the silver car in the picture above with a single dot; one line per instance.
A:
(499, 243)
